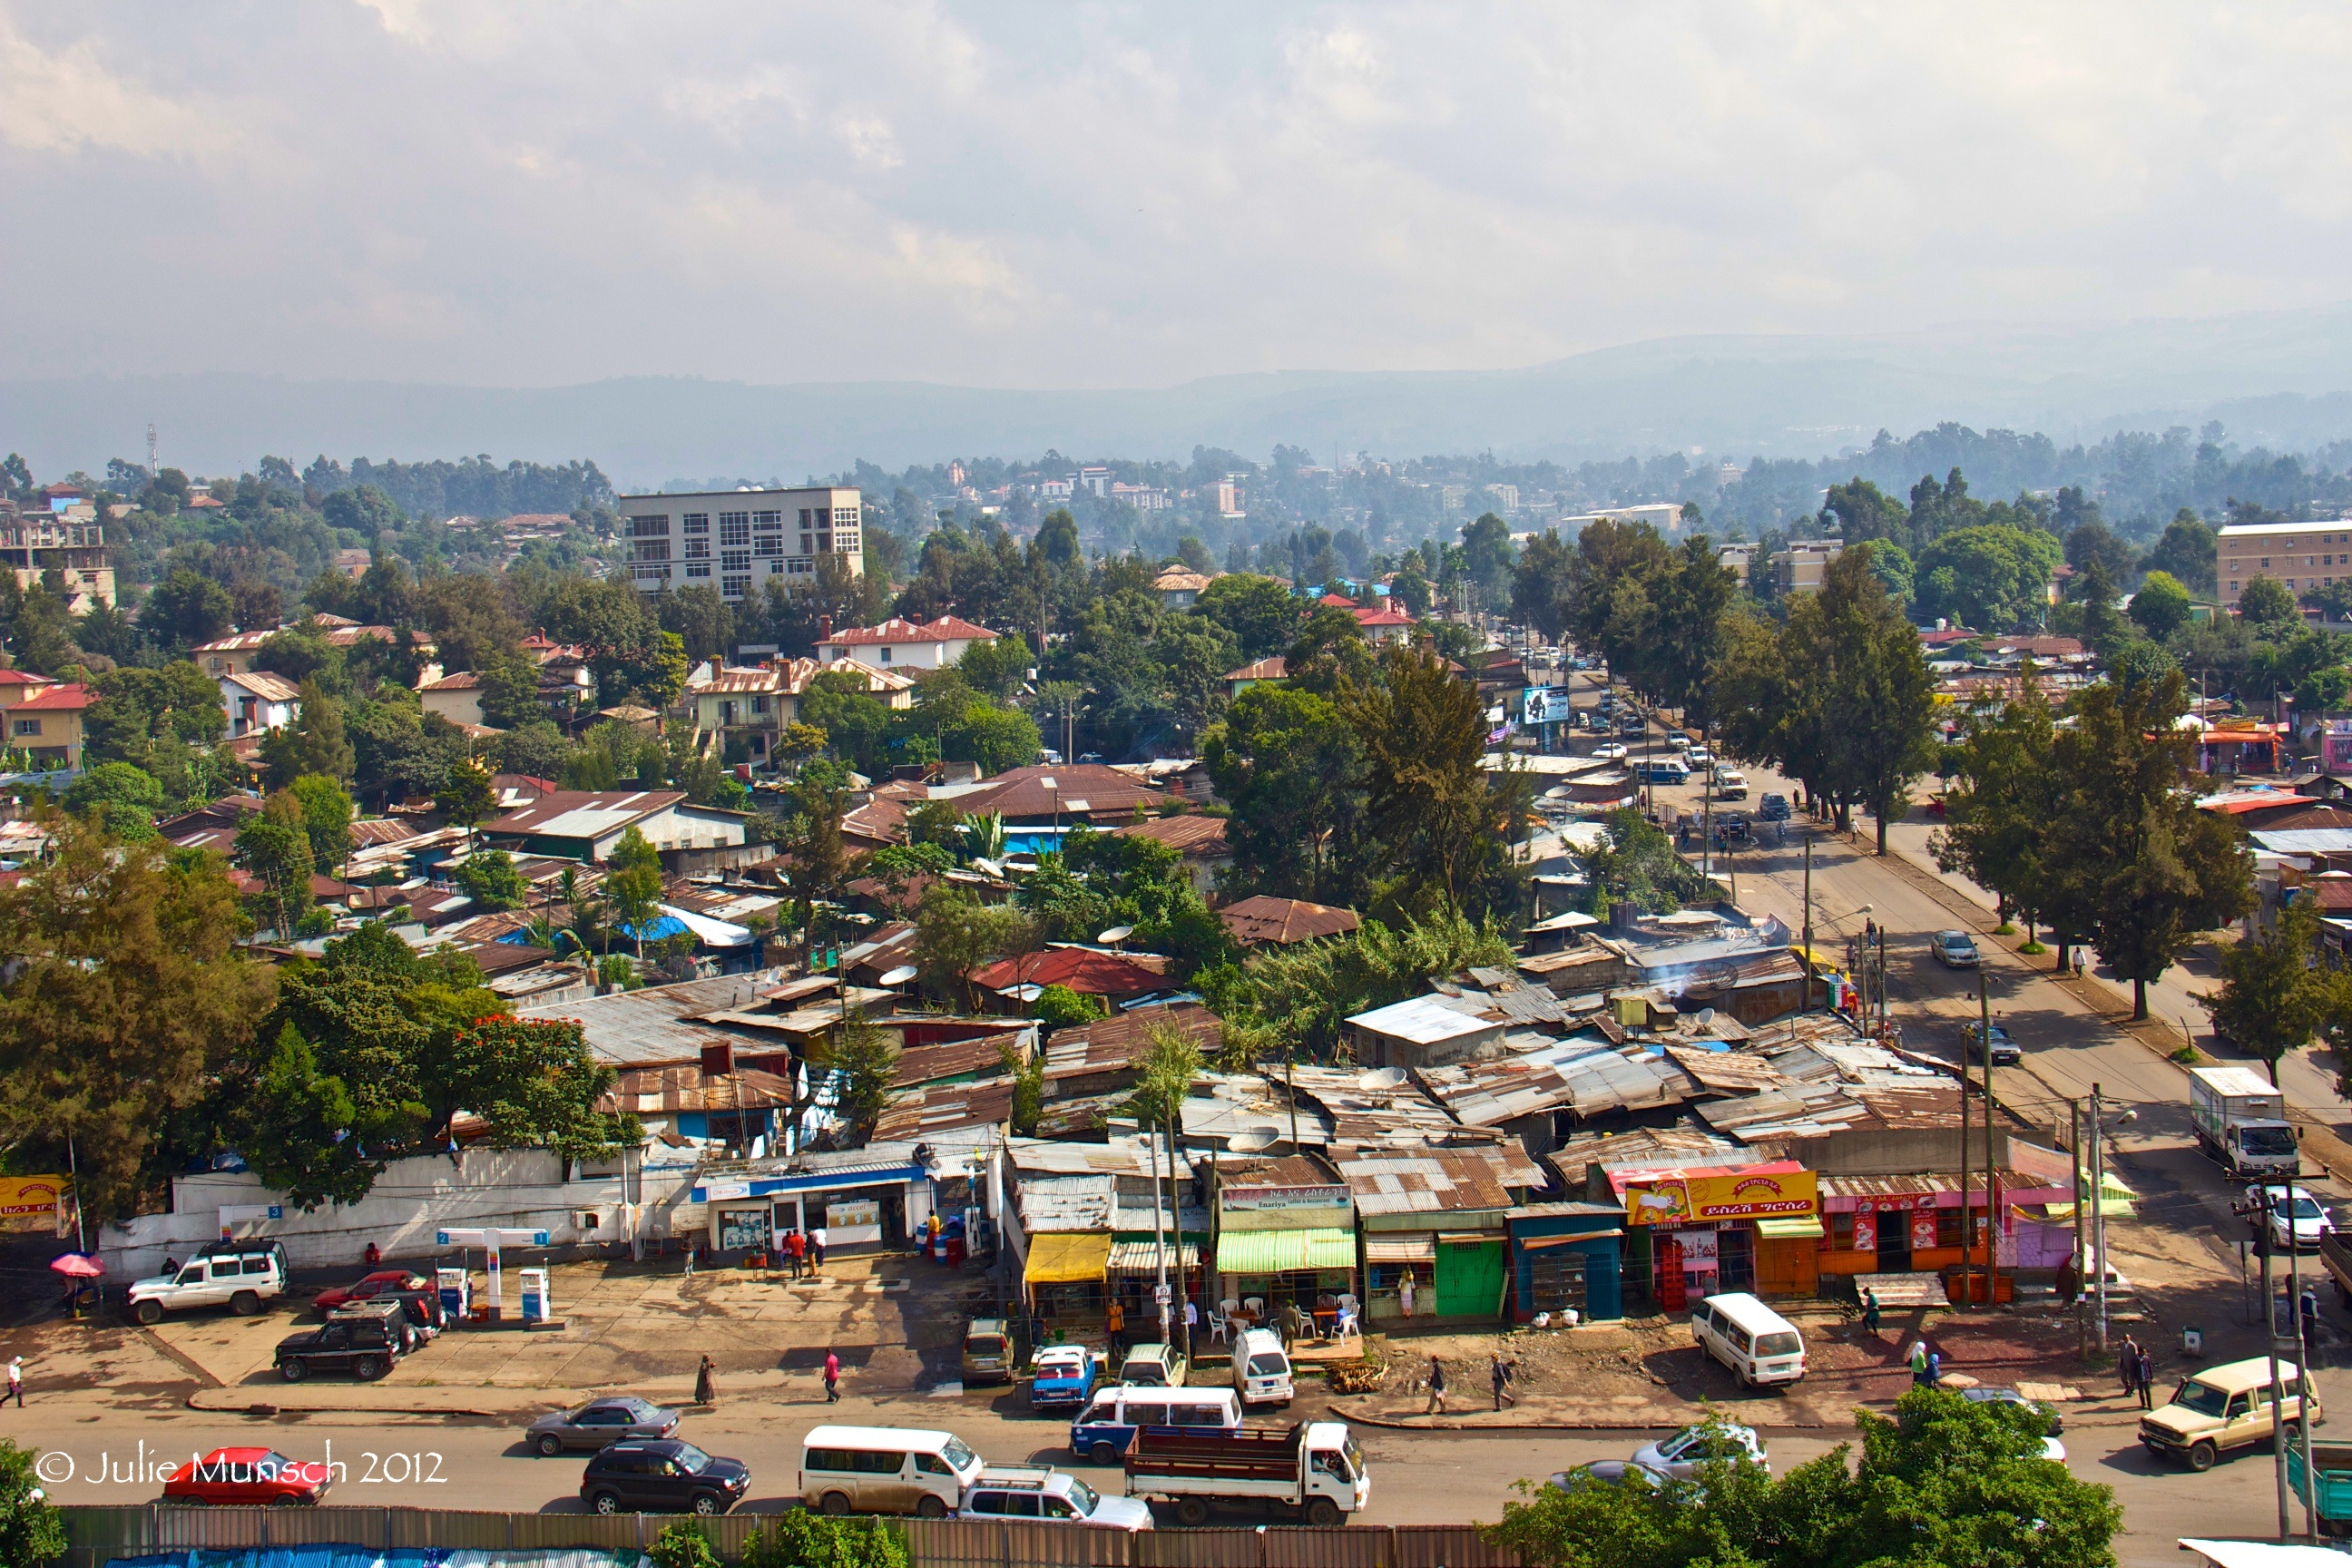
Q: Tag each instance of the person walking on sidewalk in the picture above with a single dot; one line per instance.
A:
(1501, 1373)
(1918, 1362)
(796, 1250)
(1935, 1375)
(831, 1377)
(2127, 1366)
(15, 1382)
(2146, 1378)
(1436, 1388)
(815, 1247)
(1191, 1324)
(1870, 1312)
(1115, 1326)
(706, 1384)
(2078, 961)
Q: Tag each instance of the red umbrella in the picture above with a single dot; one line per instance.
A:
(79, 1266)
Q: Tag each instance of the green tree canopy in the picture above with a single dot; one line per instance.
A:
(2161, 606)
(1994, 578)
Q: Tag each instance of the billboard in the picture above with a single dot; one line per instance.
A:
(34, 1202)
(1544, 705)
(1735, 1195)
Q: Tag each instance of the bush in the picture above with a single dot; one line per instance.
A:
(803, 1539)
(683, 1545)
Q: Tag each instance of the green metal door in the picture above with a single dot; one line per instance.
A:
(1469, 1277)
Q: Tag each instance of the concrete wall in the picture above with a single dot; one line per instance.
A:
(524, 1189)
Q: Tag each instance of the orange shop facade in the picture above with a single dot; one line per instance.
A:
(1694, 1231)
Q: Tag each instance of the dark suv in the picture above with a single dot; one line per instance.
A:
(360, 1340)
(662, 1476)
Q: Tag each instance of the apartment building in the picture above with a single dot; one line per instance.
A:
(2301, 555)
(59, 533)
(735, 540)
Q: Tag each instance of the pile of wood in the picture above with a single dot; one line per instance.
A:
(1355, 1376)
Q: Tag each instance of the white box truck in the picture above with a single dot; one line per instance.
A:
(2242, 1121)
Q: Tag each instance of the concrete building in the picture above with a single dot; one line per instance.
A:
(456, 698)
(2301, 555)
(257, 702)
(47, 721)
(68, 539)
(737, 540)
(1799, 568)
(933, 645)
(584, 825)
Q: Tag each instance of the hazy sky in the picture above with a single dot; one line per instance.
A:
(1072, 196)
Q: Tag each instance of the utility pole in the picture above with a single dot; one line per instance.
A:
(2270, 1340)
(2098, 1210)
(1984, 1033)
(2075, 1159)
(1158, 1234)
(2302, 1370)
(1809, 923)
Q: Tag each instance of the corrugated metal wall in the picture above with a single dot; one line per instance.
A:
(100, 1534)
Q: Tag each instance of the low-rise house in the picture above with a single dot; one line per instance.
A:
(1117, 978)
(1263, 921)
(1437, 1214)
(46, 722)
(456, 698)
(1275, 668)
(1105, 1056)
(1178, 587)
(932, 645)
(257, 702)
(584, 825)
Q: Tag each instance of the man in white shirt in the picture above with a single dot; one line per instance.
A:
(1192, 1322)
(816, 1248)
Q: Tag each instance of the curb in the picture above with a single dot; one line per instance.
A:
(264, 1409)
(1441, 1423)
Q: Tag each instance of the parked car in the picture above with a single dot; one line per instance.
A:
(1730, 784)
(662, 1476)
(375, 1284)
(1679, 740)
(1998, 1393)
(1154, 1367)
(2297, 1219)
(389, 1312)
(366, 1348)
(1610, 1473)
(988, 1351)
(240, 1276)
(2005, 1053)
(1699, 757)
(1041, 1492)
(1063, 1376)
(2222, 1408)
(1611, 752)
(250, 1477)
(599, 1423)
(1954, 949)
(1773, 807)
(1681, 1455)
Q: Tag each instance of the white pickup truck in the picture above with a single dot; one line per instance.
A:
(238, 1276)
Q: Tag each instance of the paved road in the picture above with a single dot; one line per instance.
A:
(1417, 1479)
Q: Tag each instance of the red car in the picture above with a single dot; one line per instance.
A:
(379, 1283)
(251, 1477)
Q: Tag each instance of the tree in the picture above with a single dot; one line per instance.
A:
(1486, 558)
(1028, 1076)
(2266, 606)
(2187, 551)
(1058, 1008)
(326, 820)
(534, 1082)
(272, 847)
(1944, 1482)
(1636, 864)
(633, 884)
(1994, 578)
(861, 1059)
(188, 608)
(490, 879)
(1997, 819)
(314, 743)
(2161, 606)
(123, 994)
(996, 668)
(1296, 997)
(1879, 700)
(32, 1529)
(955, 934)
(1259, 612)
(2155, 870)
(467, 800)
(2271, 994)
(704, 623)
(294, 1127)
(508, 693)
(112, 784)
(802, 1539)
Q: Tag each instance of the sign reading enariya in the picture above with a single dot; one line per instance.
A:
(1737, 1194)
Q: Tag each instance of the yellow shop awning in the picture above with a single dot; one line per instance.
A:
(1066, 1259)
(1794, 1227)
(1279, 1251)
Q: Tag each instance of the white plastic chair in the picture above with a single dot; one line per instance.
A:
(1346, 1323)
(1256, 1304)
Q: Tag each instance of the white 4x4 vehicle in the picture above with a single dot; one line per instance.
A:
(240, 1276)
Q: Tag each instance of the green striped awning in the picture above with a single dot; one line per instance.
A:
(1277, 1251)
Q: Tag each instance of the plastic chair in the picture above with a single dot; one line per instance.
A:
(1257, 1305)
(1218, 1325)
(1346, 1323)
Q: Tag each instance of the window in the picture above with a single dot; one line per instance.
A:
(1147, 1415)
(28, 727)
(697, 568)
(1022, 1505)
(698, 550)
(649, 527)
(257, 1266)
(2233, 584)
(846, 514)
(932, 1465)
(802, 567)
(989, 1503)
(829, 1459)
(696, 523)
(654, 570)
(734, 528)
(2266, 562)
(808, 543)
(767, 520)
(653, 549)
(805, 517)
(735, 560)
(886, 656)
(770, 546)
(734, 587)
(884, 1464)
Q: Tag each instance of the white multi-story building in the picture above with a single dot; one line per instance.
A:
(2301, 555)
(735, 540)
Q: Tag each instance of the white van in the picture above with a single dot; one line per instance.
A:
(1761, 1347)
(1118, 1412)
(884, 1469)
(1261, 1368)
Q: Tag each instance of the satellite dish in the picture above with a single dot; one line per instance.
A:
(1381, 1078)
(986, 867)
(1116, 934)
(1557, 791)
(1251, 1142)
(899, 976)
(1707, 1017)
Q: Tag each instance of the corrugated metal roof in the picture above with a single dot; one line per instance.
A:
(1585, 1074)
(1431, 1181)
(1037, 1158)
(1425, 1020)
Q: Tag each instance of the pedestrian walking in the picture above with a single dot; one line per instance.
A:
(1501, 1373)
(2127, 1366)
(1436, 1388)
(796, 1252)
(2146, 1378)
(2078, 963)
(831, 1377)
(2310, 1308)
(706, 1383)
(1115, 1325)
(1191, 1324)
(1870, 1311)
(1935, 1369)
(1918, 1360)
(815, 1247)
(16, 1381)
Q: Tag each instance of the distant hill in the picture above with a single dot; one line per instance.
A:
(2280, 377)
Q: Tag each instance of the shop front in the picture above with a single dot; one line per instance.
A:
(1133, 1276)
(861, 1209)
(1066, 1280)
(1898, 1225)
(1698, 1232)
(1564, 1258)
(1454, 1272)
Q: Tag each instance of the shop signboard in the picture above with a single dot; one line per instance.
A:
(1544, 705)
(849, 1221)
(1736, 1194)
(1865, 1231)
(1923, 1231)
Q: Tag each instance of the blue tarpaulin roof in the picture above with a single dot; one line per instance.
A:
(654, 929)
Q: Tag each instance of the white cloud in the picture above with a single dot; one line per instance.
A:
(1096, 195)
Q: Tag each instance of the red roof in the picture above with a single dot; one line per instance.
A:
(56, 698)
(23, 677)
(1274, 669)
(1081, 791)
(1285, 921)
(1081, 969)
(896, 629)
(1190, 835)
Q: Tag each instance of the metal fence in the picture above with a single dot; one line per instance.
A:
(98, 1535)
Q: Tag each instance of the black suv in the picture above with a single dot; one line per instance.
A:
(662, 1476)
(363, 1339)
